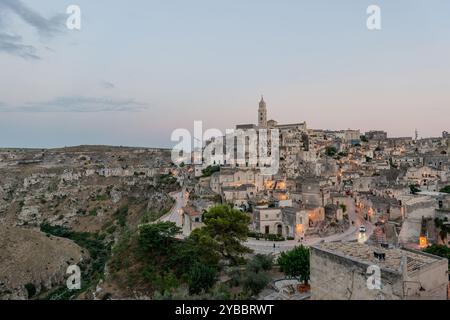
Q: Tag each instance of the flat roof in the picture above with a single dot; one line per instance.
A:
(364, 253)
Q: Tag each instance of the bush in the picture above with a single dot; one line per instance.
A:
(260, 262)
(439, 250)
(121, 216)
(200, 278)
(414, 189)
(256, 282)
(445, 189)
(256, 235)
(268, 237)
(274, 237)
(98, 251)
(102, 197)
(330, 151)
(295, 263)
(31, 290)
(209, 170)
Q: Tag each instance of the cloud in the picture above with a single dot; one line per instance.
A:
(78, 104)
(13, 45)
(46, 27)
(108, 85)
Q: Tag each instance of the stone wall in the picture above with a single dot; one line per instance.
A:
(334, 277)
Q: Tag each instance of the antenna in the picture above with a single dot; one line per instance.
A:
(416, 132)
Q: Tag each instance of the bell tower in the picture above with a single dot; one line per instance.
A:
(262, 114)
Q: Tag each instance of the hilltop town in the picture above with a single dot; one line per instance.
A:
(354, 198)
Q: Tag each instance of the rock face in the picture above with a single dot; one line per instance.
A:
(30, 259)
(98, 190)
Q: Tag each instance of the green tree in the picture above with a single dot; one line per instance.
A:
(201, 278)
(330, 151)
(191, 251)
(157, 239)
(225, 228)
(295, 263)
(209, 170)
(414, 189)
(255, 282)
(260, 262)
(445, 189)
(439, 250)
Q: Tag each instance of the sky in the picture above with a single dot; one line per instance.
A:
(137, 70)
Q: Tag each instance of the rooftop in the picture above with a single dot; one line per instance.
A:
(364, 253)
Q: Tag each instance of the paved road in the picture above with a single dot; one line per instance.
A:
(351, 234)
(175, 214)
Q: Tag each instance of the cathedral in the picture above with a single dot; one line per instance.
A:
(263, 123)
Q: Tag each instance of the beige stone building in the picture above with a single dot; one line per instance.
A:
(288, 221)
(344, 271)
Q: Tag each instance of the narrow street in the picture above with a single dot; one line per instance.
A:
(351, 234)
(175, 214)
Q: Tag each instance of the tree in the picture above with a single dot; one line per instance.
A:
(260, 262)
(255, 282)
(443, 226)
(439, 250)
(445, 189)
(156, 239)
(201, 277)
(193, 250)
(414, 189)
(209, 170)
(295, 263)
(330, 151)
(225, 228)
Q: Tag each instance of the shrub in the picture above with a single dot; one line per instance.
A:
(31, 290)
(295, 263)
(445, 189)
(121, 216)
(209, 170)
(330, 151)
(260, 262)
(256, 282)
(200, 278)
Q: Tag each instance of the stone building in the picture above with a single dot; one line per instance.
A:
(288, 221)
(191, 219)
(314, 191)
(377, 208)
(376, 135)
(262, 114)
(341, 271)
